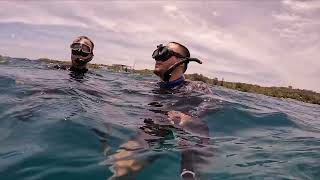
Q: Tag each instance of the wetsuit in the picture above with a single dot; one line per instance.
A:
(179, 96)
(185, 86)
(186, 97)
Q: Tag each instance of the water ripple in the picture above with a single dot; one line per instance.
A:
(55, 125)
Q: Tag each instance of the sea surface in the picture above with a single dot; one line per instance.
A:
(57, 125)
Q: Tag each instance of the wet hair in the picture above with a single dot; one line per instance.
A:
(85, 37)
(184, 52)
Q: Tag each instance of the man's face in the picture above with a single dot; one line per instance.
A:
(162, 66)
(75, 59)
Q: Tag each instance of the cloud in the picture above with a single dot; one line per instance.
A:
(23, 13)
(302, 6)
(267, 43)
(286, 17)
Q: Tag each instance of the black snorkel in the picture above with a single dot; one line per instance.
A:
(167, 75)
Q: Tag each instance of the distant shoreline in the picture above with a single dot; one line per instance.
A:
(303, 95)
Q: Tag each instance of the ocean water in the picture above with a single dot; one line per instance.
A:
(57, 125)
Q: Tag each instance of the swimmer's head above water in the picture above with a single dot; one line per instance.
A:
(81, 52)
(171, 61)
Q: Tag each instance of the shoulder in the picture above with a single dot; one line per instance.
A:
(76, 70)
(197, 86)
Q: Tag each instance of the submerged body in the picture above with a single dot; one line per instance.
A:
(173, 114)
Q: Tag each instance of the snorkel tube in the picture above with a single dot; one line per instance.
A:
(167, 75)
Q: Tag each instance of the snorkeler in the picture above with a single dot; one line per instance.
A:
(171, 63)
(81, 54)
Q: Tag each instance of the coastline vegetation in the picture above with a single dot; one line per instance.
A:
(279, 92)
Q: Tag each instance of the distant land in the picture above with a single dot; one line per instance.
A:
(303, 95)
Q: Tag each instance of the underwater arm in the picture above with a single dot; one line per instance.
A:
(191, 157)
(125, 164)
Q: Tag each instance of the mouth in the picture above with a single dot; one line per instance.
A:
(80, 61)
(158, 64)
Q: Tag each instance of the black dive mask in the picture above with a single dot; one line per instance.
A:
(163, 53)
(80, 49)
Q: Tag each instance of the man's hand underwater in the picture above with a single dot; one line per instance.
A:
(179, 118)
(124, 163)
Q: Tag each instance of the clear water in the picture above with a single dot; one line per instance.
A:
(57, 126)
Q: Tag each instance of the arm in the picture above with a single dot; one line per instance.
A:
(191, 157)
(124, 164)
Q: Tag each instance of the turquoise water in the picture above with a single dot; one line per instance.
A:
(54, 125)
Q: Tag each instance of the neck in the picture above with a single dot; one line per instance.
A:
(172, 84)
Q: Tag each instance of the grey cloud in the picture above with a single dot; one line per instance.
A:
(260, 42)
(302, 6)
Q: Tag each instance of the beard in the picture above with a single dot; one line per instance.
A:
(84, 59)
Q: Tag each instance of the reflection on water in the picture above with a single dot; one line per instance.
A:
(54, 125)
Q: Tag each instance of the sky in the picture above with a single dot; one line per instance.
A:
(269, 43)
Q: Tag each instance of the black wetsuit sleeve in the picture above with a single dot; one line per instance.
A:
(195, 157)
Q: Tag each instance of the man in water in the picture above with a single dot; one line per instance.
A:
(81, 54)
(171, 63)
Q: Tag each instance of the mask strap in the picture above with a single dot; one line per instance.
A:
(167, 75)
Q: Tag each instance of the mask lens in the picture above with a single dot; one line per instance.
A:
(80, 53)
(161, 53)
(75, 46)
(75, 52)
(86, 48)
(84, 54)
(155, 54)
